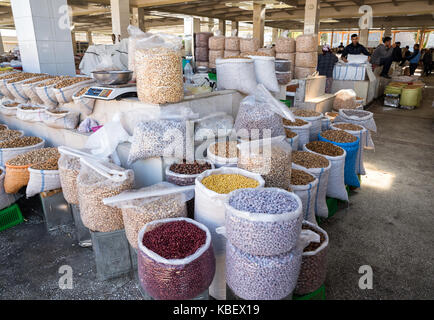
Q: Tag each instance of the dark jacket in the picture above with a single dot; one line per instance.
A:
(381, 52)
(358, 49)
(326, 63)
(397, 54)
(427, 58)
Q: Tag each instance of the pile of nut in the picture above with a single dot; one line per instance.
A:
(23, 76)
(325, 148)
(296, 123)
(11, 105)
(30, 108)
(290, 134)
(357, 113)
(10, 76)
(309, 160)
(338, 136)
(34, 157)
(38, 79)
(305, 113)
(301, 178)
(47, 165)
(188, 170)
(50, 82)
(9, 134)
(226, 149)
(3, 127)
(20, 142)
(69, 82)
(58, 111)
(69, 168)
(348, 126)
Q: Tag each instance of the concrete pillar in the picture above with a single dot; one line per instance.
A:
(2, 48)
(89, 37)
(74, 43)
(274, 35)
(139, 18)
(311, 17)
(44, 36)
(235, 25)
(364, 36)
(191, 26)
(120, 10)
(222, 26)
(210, 24)
(259, 22)
(387, 32)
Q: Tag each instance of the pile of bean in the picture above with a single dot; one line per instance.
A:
(34, 157)
(11, 105)
(226, 149)
(348, 126)
(289, 133)
(22, 76)
(226, 183)
(296, 123)
(138, 213)
(254, 277)
(313, 245)
(47, 165)
(193, 168)
(69, 168)
(20, 142)
(30, 108)
(50, 82)
(38, 79)
(69, 82)
(301, 178)
(357, 113)
(275, 167)
(338, 136)
(325, 148)
(305, 113)
(309, 160)
(9, 134)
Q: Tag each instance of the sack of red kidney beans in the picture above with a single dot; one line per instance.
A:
(175, 259)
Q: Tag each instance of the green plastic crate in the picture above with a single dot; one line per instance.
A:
(10, 216)
(287, 102)
(332, 205)
(212, 76)
(316, 295)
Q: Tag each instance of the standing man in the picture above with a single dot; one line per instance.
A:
(414, 59)
(427, 62)
(326, 63)
(341, 48)
(397, 53)
(354, 48)
(383, 56)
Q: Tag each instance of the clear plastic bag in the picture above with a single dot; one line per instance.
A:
(135, 34)
(345, 99)
(236, 74)
(218, 125)
(69, 168)
(64, 95)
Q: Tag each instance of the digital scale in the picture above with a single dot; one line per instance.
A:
(112, 92)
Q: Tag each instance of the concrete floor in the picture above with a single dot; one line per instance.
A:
(388, 226)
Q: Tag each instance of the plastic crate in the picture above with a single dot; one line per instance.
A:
(10, 216)
(212, 76)
(316, 295)
(332, 205)
(287, 102)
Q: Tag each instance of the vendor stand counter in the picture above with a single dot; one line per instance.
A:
(147, 172)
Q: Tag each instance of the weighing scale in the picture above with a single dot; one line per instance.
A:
(112, 92)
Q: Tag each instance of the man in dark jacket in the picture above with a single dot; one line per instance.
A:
(354, 48)
(326, 63)
(397, 53)
(414, 59)
(427, 62)
(341, 48)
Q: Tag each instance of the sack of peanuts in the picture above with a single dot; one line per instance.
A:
(319, 167)
(180, 269)
(265, 72)
(260, 115)
(313, 117)
(301, 128)
(16, 88)
(45, 92)
(135, 34)
(13, 78)
(235, 73)
(345, 99)
(17, 173)
(30, 113)
(44, 176)
(232, 43)
(271, 158)
(361, 118)
(6, 199)
(159, 201)
(85, 105)
(336, 155)
(61, 119)
(159, 69)
(217, 42)
(65, 89)
(304, 185)
(7, 134)
(284, 44)
(13, 147)
(292, 138)
(96, 181)
(29, 89)
(211, 190)
(9, 107)
(313, 262)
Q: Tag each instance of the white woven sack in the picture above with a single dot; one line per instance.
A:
(42, 180)
(325, 124)
(64, 95)
(9, 153)
(303, 133)
(316, 127)
(364, 119)
(16, 89)
(85, 105)
(12, 111)
(336, 181)
(30, 115)
(294, 142)
(307, 195)
(322, 174)
(47, 95)
(4, 89)
(209, 209)
(265, 71)
(30, 91)
(236, 74)
(61, 120)
(6, 199)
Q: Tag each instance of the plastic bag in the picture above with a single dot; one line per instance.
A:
(175, 279)
(236, 74)
(262, 233)
(265, 72)
(31, 115)
(135, 34)
(96, 181)
(209, 209)
(217, 42)
(345, 99)
(261, 112)
(271, 158)
(285, 44)
(217, 124)
(159, 201)
(306, 43)
(42, 180)
(69, 168)
(66, 120)
(106, 63)
(306, 59)
(87, 124)
(307, 195)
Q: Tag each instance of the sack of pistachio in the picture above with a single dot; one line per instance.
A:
(65, 89)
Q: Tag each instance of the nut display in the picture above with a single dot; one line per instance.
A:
(305, 113)
(69, 82)
(289, 133)
(226, 183)
(9, 134)
(296, 123)
(226, 149)
(51, 164)
(325, 148)
(51, 81)
(338, 136)
(159, 76)
(301, 178)
(34, 157)
(11, 105)
(309, 160)
(20, 142)
(348, 126)
(23, 76)
(38, 79)
(30, 108)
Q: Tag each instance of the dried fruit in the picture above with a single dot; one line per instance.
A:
(326, 148)
(338, 136)
(348, 126)
(34, 157)
(20, 142)
(301, 178)
(309, 160)
(296, 123)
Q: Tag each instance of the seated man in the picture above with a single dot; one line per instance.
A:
(383, 56)
(354, 48)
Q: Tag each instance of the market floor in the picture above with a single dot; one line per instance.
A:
(387, 226)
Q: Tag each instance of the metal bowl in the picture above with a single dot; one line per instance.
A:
(112, 77)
